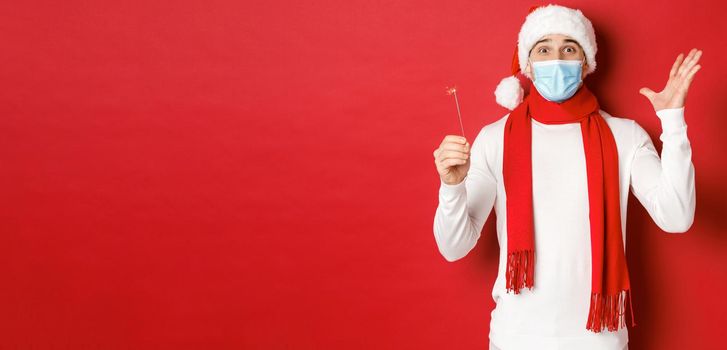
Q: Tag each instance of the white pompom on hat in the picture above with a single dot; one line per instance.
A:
(541, 21)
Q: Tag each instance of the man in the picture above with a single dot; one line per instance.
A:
(557, 170)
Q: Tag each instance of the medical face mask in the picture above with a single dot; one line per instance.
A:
(557, 80)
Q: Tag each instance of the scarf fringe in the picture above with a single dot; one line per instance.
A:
(609, 311)
(520, 270)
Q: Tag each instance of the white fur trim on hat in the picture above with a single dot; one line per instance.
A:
(509, 93)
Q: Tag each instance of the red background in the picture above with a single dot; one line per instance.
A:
(259, 174)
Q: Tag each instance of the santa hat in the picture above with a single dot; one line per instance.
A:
(541, 21)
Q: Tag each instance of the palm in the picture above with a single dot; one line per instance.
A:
(680, 77)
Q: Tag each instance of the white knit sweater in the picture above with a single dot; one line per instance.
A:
(553, 315)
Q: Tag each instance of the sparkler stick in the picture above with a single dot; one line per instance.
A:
(453, 91)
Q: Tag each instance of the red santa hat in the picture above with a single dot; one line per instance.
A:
(541, 21)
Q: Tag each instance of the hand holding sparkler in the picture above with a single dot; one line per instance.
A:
(452, 156)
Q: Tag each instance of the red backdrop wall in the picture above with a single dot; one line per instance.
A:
(259, 174)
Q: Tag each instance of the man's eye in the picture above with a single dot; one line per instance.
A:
(542, 49)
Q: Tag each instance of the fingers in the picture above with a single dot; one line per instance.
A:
(689, 62)
(675, 66)
(452, 143)
(456, 147)
(444, 154)
(450, 162)
(647, 92)
(686, 62)
(445, 159)
(454, 138)
(453, 151)
(691, 74)
(693, 63)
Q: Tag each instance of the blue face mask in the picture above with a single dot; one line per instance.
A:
(557, 80)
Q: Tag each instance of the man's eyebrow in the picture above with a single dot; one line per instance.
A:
(565, 40)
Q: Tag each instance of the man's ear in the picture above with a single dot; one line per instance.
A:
(528, 71)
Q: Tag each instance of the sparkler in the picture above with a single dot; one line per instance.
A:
(453, 91)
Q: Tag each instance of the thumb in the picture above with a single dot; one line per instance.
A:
(647, 92)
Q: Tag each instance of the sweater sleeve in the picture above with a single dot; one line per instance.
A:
(463, 208)
(665, 187)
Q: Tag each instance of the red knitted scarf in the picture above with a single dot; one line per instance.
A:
(610, 287)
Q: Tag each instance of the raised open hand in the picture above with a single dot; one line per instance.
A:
(675, 92)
